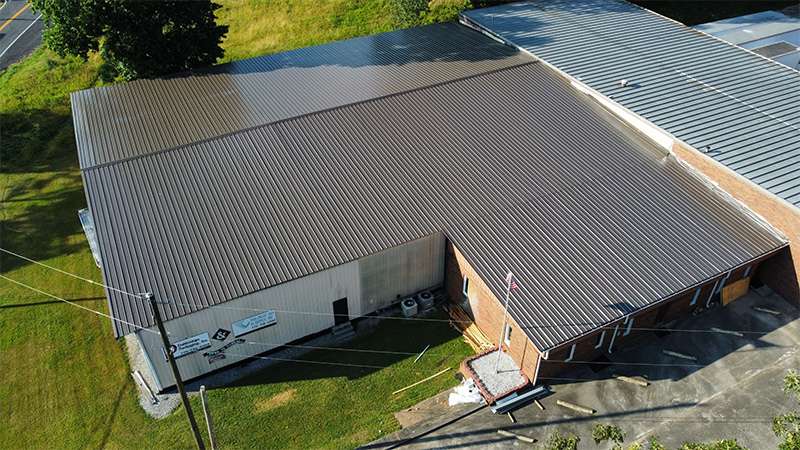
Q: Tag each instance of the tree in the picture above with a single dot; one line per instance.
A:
(136, 39)
(408, 13)
(787, 426)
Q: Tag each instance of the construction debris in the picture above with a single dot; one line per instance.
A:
(633, 380)
(679, 355)
(767, 310)
(466, 392)
(421, 353)
(472, 334)
(421, 381)
(516, 436)
(720, 330)
(137, 376)
(574, 407)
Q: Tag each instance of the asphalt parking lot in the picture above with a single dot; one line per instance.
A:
(732, 391)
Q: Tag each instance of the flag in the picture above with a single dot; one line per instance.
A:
(511, 282)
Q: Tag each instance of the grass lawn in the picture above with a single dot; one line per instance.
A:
(64, 380)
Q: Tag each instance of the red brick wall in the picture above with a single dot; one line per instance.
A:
(780, 273)
(667, 311)
(486, 310)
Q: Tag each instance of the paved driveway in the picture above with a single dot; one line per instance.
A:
(20, 31)
(732, 391)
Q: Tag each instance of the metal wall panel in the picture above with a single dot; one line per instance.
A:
(312, 295)
(400, 271)
(304, 306)
(514, 166)
(737, 107)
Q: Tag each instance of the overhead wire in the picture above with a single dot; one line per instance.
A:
(424, 319)
(99, 313)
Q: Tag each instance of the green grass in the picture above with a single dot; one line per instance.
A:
(64, 380)
(257, 27)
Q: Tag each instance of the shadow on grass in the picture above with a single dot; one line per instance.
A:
(40, 187)
(36, 140)
(347, 360)
(50, 302)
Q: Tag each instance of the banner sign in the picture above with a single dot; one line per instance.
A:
(253, 323)
(190, 345)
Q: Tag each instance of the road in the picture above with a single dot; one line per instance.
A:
(20, 31)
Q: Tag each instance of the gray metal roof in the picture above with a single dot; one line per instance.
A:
(133, 119)
(515, 167)
(739, 108)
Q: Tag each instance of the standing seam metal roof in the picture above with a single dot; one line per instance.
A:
(134, 119)
(737, 107)
(516, 168)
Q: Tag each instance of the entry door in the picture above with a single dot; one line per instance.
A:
(340, 311)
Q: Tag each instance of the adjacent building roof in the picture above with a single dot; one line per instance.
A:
(514, 166)
(737, 107)
(134, 119)
(771, 34)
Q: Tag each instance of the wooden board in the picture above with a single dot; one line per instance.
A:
(735, 290)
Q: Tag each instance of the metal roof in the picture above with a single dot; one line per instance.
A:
(133, 119)
(517, 169)
(737, 107)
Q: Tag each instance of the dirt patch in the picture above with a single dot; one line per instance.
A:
(275, 401)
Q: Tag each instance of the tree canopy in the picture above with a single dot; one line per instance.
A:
(136, 39)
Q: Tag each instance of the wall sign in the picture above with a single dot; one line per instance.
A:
(253, 323)
(219, 354)
(221, 334)
(190, 345)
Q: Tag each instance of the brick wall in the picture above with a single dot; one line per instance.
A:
(782, 272)
(486, 310)
(676, 308)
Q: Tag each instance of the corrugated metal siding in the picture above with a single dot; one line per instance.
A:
(134, 119)
(739, 108)
(514, 166)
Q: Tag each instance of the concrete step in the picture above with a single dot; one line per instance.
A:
(343, 329)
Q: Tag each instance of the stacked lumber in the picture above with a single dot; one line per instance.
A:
(472, 334)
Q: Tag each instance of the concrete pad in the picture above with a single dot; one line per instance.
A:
(496, 373)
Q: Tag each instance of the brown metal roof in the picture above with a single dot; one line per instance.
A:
(520, 171)
(133, 119)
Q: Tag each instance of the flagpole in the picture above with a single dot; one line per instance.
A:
(509, 281)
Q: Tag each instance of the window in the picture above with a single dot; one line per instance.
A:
(694, 298)
(628, 328)
(571, 353)
(747, 271)
(465, 287)
(507, 335)
(600, 339)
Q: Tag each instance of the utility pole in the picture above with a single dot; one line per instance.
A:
(175, 373)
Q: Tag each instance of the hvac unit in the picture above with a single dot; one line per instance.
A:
(425, 300)
(409, 306)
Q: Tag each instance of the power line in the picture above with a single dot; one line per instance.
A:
(420, 319)
(622, 363)
(309, 361)
(74, 304)
(344, 349)
(88, 280)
